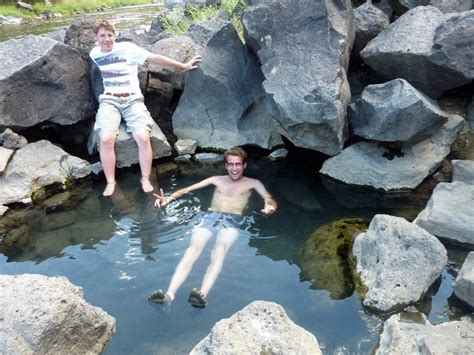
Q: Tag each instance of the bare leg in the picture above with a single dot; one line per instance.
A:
(107, 158)
(199, 240)
(225, 239)
(145, 157)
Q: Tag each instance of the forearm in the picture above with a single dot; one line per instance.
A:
(176, 195)
(166, 61)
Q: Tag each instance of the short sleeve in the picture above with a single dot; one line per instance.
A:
(137, 54)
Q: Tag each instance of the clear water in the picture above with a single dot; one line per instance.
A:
(120, 249)
(123, 18)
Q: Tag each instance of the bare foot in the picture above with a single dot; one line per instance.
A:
(109, 189)
(146, 184)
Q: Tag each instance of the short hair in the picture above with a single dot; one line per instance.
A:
(103, 24)
(236, 151)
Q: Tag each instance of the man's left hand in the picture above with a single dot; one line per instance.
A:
(193, 63)
(268, 209)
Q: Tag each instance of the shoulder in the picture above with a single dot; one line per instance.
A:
(94, 52)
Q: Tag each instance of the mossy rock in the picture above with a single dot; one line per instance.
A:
(325, 259)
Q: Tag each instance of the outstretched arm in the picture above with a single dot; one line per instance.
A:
(270, 205)
(168, 62)
(162, 200)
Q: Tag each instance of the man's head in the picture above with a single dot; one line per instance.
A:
(104, 32)
(235, 162)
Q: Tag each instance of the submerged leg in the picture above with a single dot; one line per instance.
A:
(225, 239)
(199, 239)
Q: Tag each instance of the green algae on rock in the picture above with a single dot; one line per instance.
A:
(325, 259)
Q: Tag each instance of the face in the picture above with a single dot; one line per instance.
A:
(106, 39)
(235, 167)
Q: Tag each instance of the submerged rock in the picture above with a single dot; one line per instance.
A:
(324, 261)
(49, 315)
(397, 262)
(402, 335)
(259, 328)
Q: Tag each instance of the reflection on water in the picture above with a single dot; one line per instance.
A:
(123, 18)
(120, 249)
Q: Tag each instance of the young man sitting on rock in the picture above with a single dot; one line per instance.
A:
(231, 195)
(122, 98)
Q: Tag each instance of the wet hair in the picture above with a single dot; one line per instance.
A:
(236, 151)
(103, 24)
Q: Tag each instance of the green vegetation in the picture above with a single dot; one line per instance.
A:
(66, 7)
(178, 25)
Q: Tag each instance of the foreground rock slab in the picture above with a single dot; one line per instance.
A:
(412, 333)
(464, 284)
(259, 328)
(43, 80)
(397, 261)
(48, 315)
(36, 166)
(449, 213)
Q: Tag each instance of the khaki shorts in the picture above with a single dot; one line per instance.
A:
(132, 109)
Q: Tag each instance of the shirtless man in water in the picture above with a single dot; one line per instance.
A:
(231, 195)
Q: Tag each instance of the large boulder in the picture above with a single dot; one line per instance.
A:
(48, 315)
(304, 50)
(43, 80)
(80, 35)
(259, 328)
(449, 213)
(464, 285)
(395, 112)
(426, 48)
(393, 168)
(202, 31)
(182, 49)
(369, 22)
(463, 170)
(38, 165)
(412, 333)
(126, 149)
(223, 103)
(445, 6)
(397, 261)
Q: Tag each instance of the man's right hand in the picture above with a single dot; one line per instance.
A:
(161, 199)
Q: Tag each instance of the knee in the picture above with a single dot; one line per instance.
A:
(219, 251)
(107, 141)
(142, 137)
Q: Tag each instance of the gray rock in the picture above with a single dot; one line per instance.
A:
(449, 213)
(43, 80)
(209, 158)
(372, 164)
(49, 315)
(53, 221)
(183, 159)
(171, 4)
(464, 285)
(303, 47)
(445, 6)
(80, 36)
(58, 34)
(470, 115)
(180, 48)
(416, 48)
(259, 328)
(3, 210)
(185, 146)
(10, 20)
(397, 261)
(395, 112)
(369, 22)
(407, 333)
(202, 31)
(278, 154)
(5, 156)
(223, 103)
(463, 170)
(385, 6)
(39, 165)
(24, 6)
(12, 140)
(126, 149)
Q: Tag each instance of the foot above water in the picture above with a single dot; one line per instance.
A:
(146, 185)
(160, 297)
(197, 298)
(109, 189)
